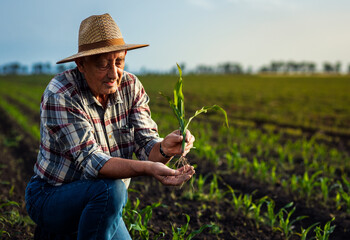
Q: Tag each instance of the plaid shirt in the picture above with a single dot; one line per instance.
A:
(78, 136)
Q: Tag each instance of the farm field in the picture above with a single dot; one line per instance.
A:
(280, 171)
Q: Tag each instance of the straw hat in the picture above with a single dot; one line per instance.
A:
(100, 34)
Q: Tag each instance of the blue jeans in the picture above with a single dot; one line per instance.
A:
(88, 209)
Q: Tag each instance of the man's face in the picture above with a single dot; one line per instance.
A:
(103, 72)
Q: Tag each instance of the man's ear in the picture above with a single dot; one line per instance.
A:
(126, 51)
(80, 64)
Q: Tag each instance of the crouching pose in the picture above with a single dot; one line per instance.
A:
(93, 119)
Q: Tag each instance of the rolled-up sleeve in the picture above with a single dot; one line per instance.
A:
(68, 138)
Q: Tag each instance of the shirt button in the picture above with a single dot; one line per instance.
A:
(110, 136)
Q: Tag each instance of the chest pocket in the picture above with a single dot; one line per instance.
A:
(125, 140)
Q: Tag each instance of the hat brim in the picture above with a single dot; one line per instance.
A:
(101, 50)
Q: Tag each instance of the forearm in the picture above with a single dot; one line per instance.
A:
(118, 168)
(155, 155)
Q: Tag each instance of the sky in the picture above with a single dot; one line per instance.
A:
(250, 32)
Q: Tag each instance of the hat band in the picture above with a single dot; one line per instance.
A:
(104, 43)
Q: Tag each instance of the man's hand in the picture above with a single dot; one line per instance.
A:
(171, 177)
(172, 143)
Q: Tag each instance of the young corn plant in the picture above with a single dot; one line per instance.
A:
(270, 213)
(323, 234)
(4, 218)
(237, 201)
(10, 216)
(137, 220)
(285, 223)
(178, 106)
(326, 188)
(304, 232)
(345, 197)
(181, 232)
(308, 184)
(197, 184)
(256, 209)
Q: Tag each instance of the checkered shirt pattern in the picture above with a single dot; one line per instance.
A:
(78, 136)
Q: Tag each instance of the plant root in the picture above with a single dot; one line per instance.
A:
(183, 162)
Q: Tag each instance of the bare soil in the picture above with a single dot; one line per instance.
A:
(18, 152)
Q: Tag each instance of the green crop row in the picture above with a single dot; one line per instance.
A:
(261, 210)
(266, 142)
(138, 219)
(21, 119)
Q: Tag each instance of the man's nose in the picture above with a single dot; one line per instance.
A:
(113, 73)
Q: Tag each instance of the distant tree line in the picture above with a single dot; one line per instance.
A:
(15, 68)
(304, 67)
(222, 68)
(275, 67)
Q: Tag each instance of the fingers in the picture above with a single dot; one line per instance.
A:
(187, 169)
(172, 143)
(171, 177)
(189, 143)
(175, 180)
(162, 170)
(188, 136)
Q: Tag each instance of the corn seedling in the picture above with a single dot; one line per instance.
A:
(324, 184)
(10, 216)
(271, 216)
(346, 182)
(178, 106)
(237, 201)
(256, 209)
(304, 232)
(281, 153)
(181, 232)
(247, 203)
(198, 185)
(323, 234)
(309, 183)
(214, 191)
(4, 218)
(294, 183)
(261, 170)
(137, 220)
(285, 223)
(346, 198)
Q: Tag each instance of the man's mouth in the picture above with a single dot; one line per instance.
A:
(110, 83)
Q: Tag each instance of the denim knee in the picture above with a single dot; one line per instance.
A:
(116, 193)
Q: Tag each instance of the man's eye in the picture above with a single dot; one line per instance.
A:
(119, 62)
(104, 66)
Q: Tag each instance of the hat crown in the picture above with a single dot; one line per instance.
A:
(100, 34)
(98, 28)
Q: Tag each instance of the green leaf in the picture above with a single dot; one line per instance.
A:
(205, 110)
(9, 203)
(194, 233)
(178, 106)
(174, 107)
(178, 96)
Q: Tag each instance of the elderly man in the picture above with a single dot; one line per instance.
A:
(93, 119)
